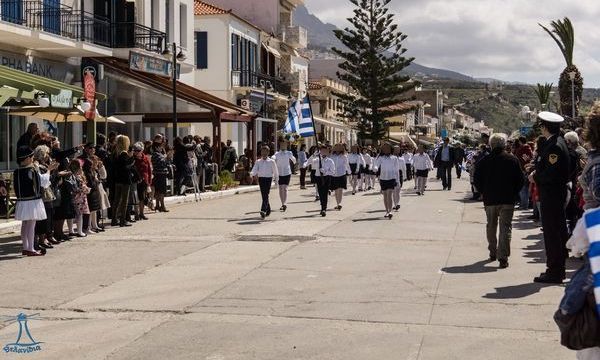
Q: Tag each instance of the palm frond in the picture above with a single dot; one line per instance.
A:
(564, 35)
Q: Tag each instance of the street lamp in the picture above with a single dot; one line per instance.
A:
(572, 75)
(179, 57)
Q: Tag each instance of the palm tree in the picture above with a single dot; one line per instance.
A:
(563, 34)
(543, 94)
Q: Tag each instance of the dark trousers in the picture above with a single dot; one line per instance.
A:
(302, 177)
(265, 188)
(458, 170)
(408, 171)
(446, 174)
(121, 200)
(323, 190)
(554, 222)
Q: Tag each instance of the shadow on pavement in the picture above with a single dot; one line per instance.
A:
(475, 268)
(10, 248)
(516, 291)
(369, 219)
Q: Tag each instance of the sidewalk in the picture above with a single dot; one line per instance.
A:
(8, 226)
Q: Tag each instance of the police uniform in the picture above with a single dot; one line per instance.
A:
(551, 176)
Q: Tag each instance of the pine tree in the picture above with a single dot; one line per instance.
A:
(371, 66)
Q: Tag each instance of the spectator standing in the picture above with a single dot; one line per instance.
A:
(444, 160)
(499, 179)
(144, 169)
(459, 158)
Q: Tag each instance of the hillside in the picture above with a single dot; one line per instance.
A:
(321, 39)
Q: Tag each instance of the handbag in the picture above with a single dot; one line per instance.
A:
(48, 194)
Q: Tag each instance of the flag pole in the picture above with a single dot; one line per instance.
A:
(312, 118)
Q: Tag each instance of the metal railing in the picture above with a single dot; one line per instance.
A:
(134, 35)
(63, 20)
(249, 78)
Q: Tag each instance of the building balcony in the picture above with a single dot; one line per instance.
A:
(295, 36)
(257, 80)
(41, 25)
(133, 35)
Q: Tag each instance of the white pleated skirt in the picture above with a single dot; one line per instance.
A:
(30, 210)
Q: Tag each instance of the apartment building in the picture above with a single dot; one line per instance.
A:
(327, 109)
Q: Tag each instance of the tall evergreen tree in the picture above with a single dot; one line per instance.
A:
(371, 66)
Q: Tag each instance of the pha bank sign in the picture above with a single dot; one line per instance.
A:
(46, 68)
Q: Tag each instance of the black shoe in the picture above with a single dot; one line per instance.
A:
(354, 193)
(114, 223)
(46, 246)
(284, 208)
(449, 189)
(503, 264)
(323, 213)
(317, 198)
(263, 214)
(546, 278)
(492, 258)
(125, 224)
(143, 217)
(444, 188)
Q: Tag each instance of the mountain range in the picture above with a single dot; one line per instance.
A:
(321, 39)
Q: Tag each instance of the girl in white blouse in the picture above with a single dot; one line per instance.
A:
(339, 181)
(367, 182)
(387, 165)
(357, 163)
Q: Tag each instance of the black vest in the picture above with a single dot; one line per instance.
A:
(26, 182)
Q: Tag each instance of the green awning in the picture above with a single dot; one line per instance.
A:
(16, 83)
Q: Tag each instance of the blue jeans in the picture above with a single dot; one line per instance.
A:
(524, 196)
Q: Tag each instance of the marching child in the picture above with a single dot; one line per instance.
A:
(339, 182)
(357, 164)
(283, 158)
(403, 175)
(325, 169)
(387, 166)
(367, 171)
(422, 164)
(265, 169)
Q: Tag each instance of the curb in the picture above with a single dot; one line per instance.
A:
(14, 226)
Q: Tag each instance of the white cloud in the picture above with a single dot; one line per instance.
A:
(489, 38)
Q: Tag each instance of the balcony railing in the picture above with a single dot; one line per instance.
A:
(133, 35)
(257, 80)
(63, 20)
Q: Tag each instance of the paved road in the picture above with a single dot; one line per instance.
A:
(211, 281)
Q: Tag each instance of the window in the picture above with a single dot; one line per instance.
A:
(183, 25)
(201, 39)
(235, 48)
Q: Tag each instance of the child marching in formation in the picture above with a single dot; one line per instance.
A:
(408, 159)
(282, 158)
(387, 165)
(314, 154)
(367, 183)
(265, 169)
(325, 169)
(357, 164)
(339, 182)
(422, 164)
(402, 175)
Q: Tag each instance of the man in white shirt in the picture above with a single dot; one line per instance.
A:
(283, 158)
(325, 169)
(265, 169)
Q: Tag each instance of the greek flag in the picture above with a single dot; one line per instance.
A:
(291, 125)
(306, 119)
(592, 224)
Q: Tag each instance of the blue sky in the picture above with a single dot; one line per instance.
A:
(489, 38)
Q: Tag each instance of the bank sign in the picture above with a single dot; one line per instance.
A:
(46, 68)
(150, 64)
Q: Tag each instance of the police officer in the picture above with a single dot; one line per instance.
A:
(551, 176)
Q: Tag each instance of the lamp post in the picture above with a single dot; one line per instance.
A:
(174, 58)
(572, 75)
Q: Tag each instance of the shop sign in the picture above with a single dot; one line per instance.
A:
(89, 92)
(63, 100)
(149, 64)
(33, 65)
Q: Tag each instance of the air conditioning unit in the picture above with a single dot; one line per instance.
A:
(245, 104)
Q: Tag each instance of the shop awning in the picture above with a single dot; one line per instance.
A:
(221, 108)
(16, 83)
(190, 117)
(333, 123)
(272, 50)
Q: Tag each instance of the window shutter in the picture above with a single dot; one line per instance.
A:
(201, 50)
